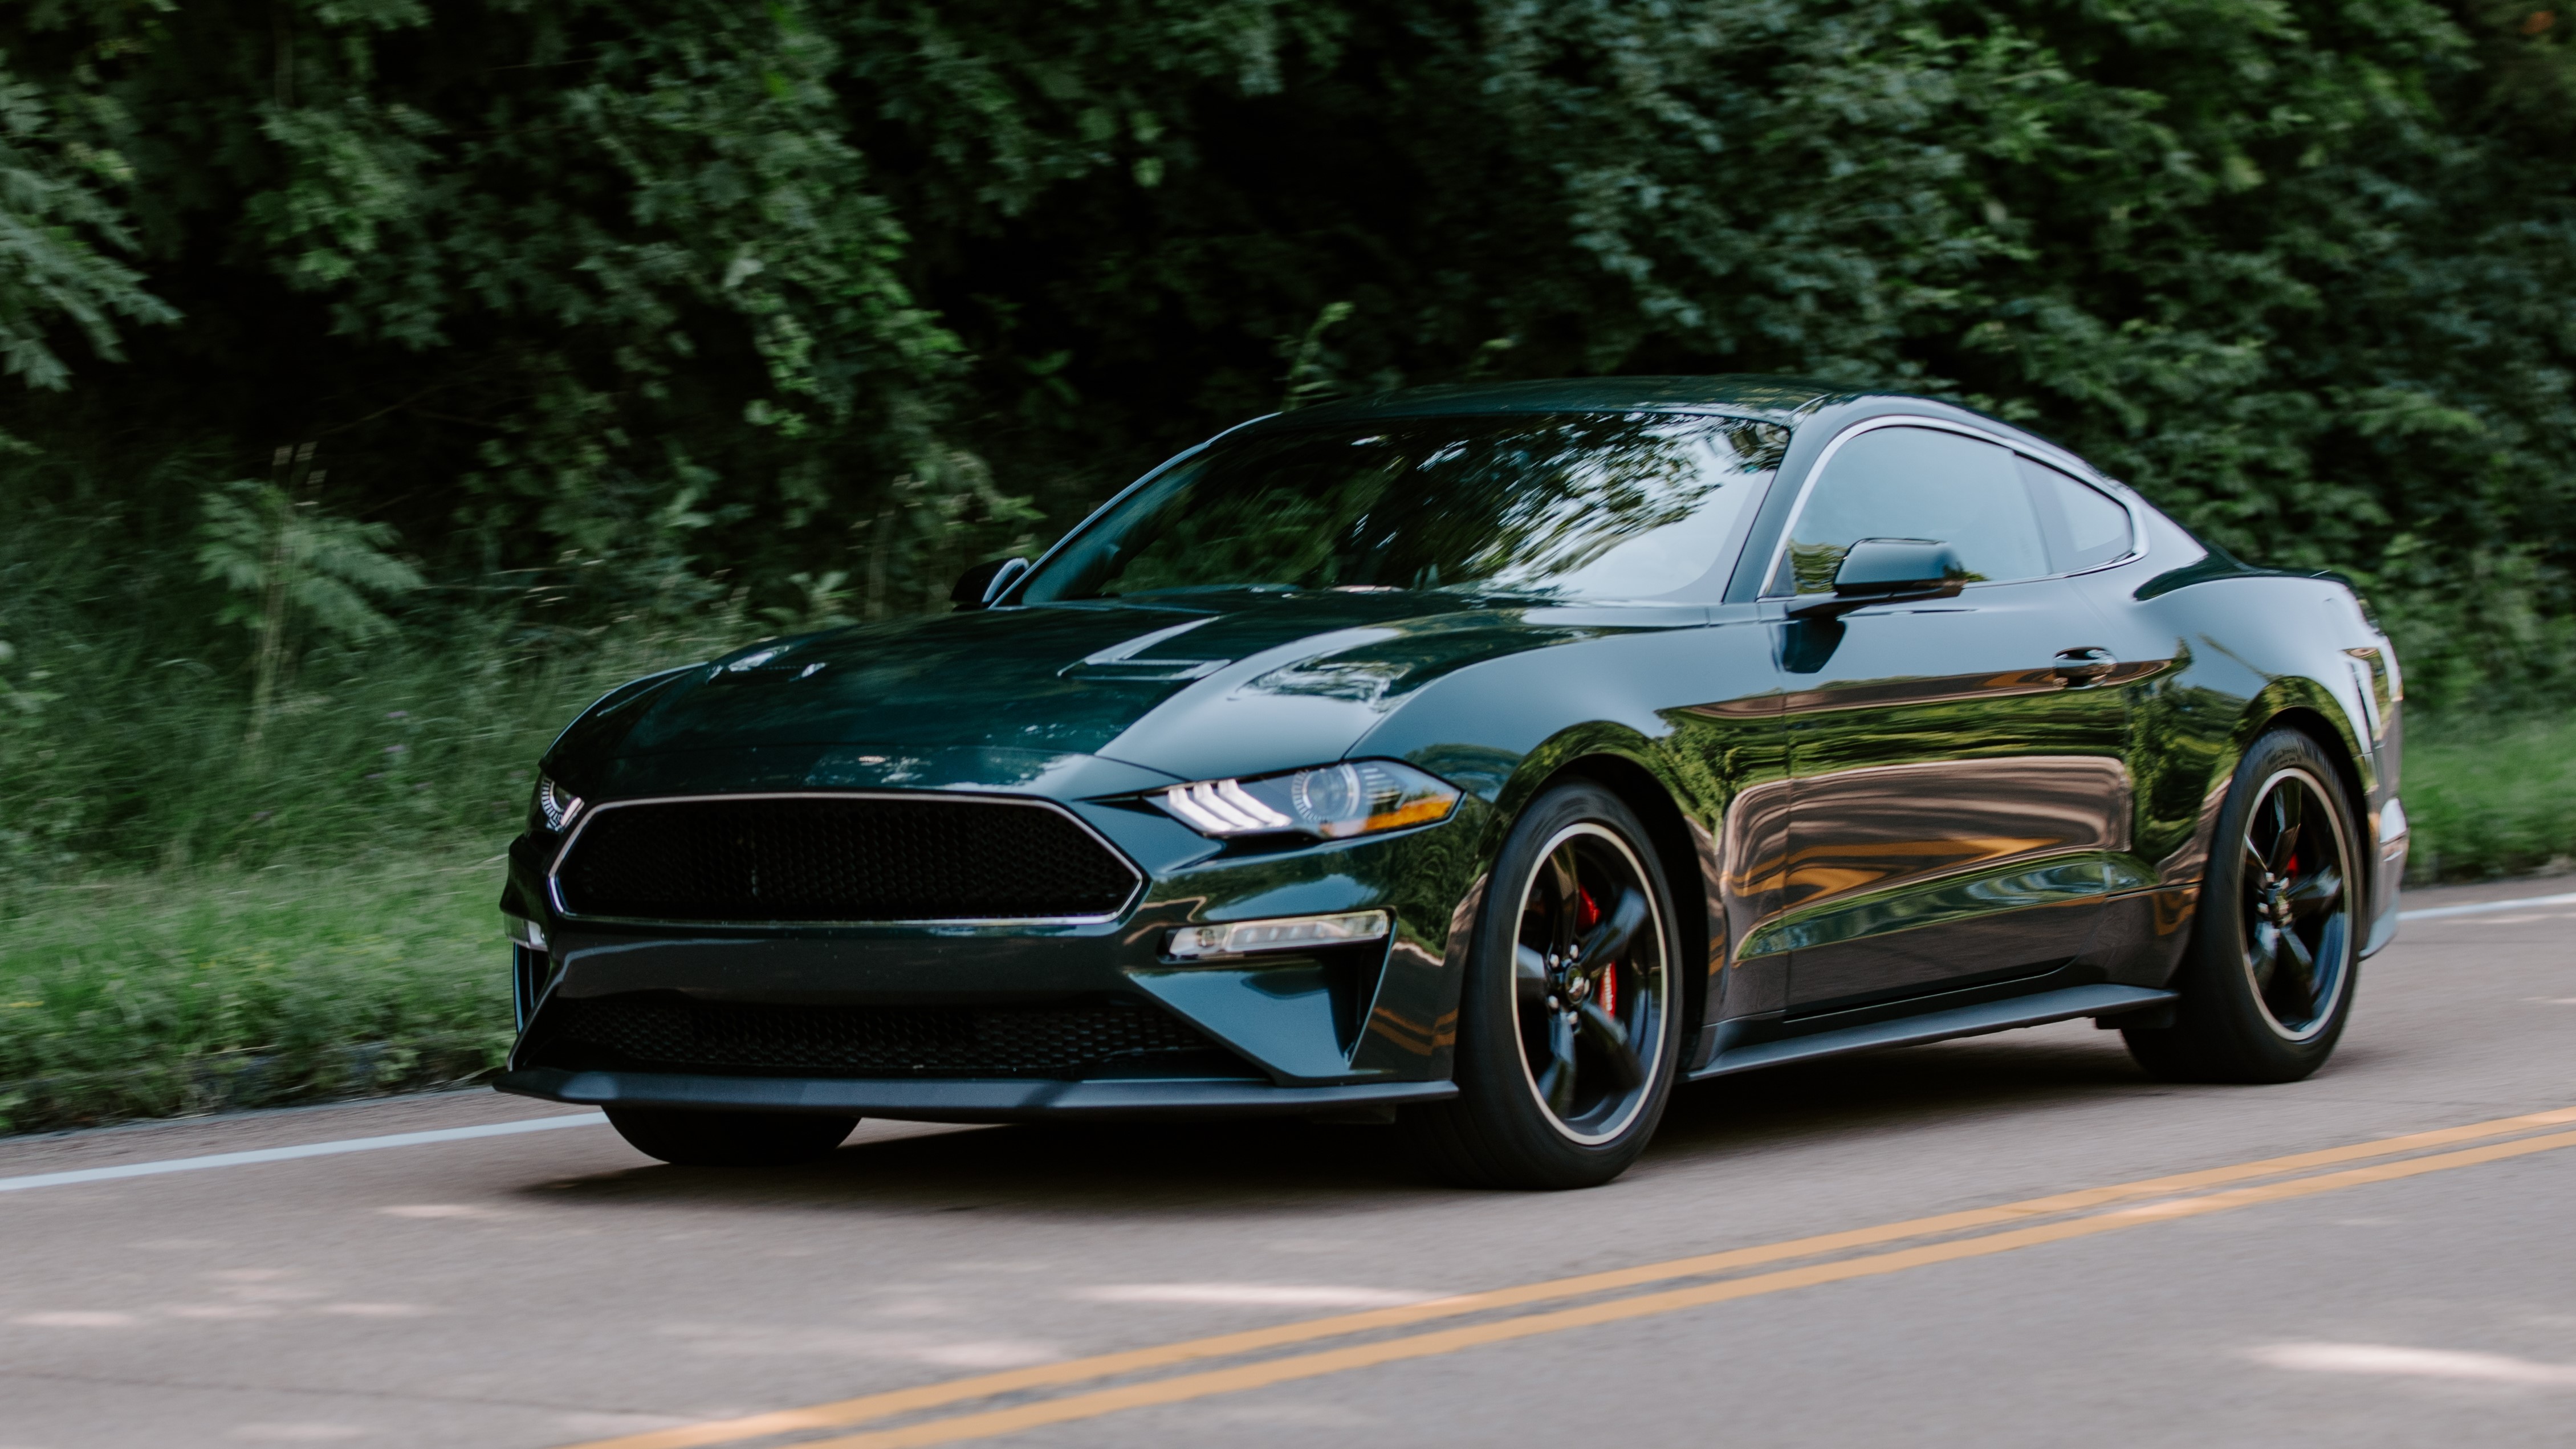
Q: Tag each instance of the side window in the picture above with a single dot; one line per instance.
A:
(2085, 528)
(1917, 483)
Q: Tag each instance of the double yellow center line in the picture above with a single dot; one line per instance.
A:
(2080, 1214)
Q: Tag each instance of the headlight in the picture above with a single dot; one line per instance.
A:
(1360, 797)
(554, 807)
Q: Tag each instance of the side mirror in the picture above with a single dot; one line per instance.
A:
(1888, 571)
(979, 586)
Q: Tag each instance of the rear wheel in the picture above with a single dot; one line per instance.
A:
(2268, 986)
(1568, 1031)
(728, 1139)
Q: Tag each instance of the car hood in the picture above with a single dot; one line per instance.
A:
(1228, 683)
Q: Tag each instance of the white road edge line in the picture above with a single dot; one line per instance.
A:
(288, 1154)
(2483, 907)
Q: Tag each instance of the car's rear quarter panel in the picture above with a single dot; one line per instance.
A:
(2235, 655)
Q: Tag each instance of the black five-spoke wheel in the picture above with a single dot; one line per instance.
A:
(1569, 1027)
(1588, 982)
(2296, 920)
(2267, 985)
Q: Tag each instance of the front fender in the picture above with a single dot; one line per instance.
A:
(1688, 715)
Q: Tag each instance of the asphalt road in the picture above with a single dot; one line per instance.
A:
(551, 1287)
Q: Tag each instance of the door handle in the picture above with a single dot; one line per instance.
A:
(2085, 665)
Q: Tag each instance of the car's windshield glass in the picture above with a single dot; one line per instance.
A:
(1586, 506)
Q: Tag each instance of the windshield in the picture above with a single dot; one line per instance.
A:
(1618, 506)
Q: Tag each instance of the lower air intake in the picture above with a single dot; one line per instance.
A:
(658, 1031)
(751, 859)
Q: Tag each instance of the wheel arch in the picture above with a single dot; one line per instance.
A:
(2318, 719)
(1680, 850)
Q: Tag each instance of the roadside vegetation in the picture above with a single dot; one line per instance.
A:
(420, 386)
(2491, 797)
(147, 995)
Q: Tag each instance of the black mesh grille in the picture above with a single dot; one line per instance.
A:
(669, 1032)
(838, 859)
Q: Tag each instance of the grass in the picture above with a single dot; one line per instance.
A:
(2490, 798)
(153, 993)
(158, 994)
(197, 915)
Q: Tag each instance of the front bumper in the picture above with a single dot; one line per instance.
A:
(1311, 1032)
(955, 1100)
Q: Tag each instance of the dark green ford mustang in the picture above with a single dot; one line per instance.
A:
(1488, 759)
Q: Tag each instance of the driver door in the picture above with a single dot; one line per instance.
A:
(1956, 780)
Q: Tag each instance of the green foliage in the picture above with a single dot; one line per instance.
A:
(549, 272)
(297, 562)
(54, 216)
(289, 563)
(629, 323)
(1306, 382)
(589, 274)
(2488, 797)
(127, 996)
(125, 701)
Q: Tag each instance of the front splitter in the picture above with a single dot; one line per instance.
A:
(950, 1100)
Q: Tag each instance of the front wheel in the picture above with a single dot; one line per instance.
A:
(2268, 984)
(728, 1139)
(1569, 1027)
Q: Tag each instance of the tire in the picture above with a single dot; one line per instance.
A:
(1561, 1079)
(2268, 982)
(729, 1139)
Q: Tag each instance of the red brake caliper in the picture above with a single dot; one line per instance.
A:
(1586, 916)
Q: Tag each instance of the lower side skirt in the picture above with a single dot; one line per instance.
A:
(951, 1100)
(2037, 1009)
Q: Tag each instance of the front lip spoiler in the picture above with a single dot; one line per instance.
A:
(959, 1100)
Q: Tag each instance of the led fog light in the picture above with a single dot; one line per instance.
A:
(1289, 933)
(524, 932)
